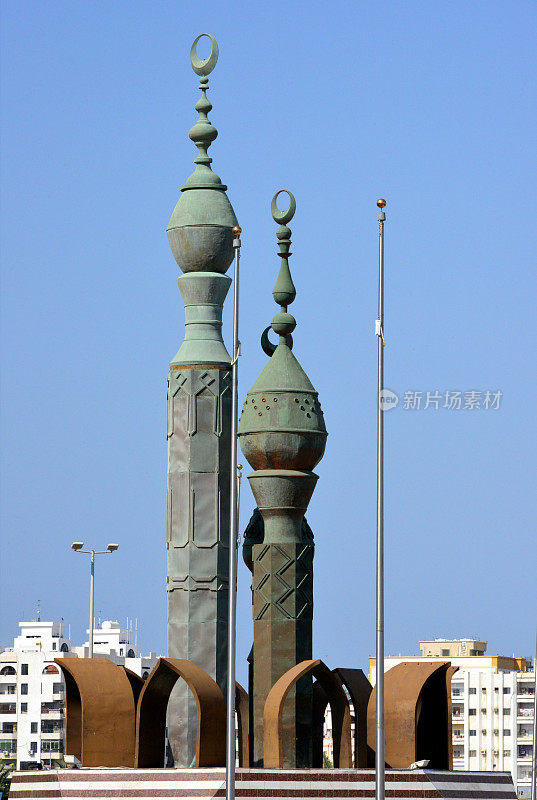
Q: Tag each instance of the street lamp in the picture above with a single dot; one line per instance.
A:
(77, 547)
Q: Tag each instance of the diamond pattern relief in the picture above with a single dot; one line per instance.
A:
(283, 581)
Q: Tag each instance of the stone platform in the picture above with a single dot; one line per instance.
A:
(206, 784)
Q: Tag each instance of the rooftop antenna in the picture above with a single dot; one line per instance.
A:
(380, 772)
(39, 610)
(136, 635)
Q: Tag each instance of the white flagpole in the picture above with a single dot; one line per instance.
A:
(380, 775)
(534, 759)
(233, 534)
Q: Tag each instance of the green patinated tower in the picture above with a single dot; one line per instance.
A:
(283, 437)
(200, 233)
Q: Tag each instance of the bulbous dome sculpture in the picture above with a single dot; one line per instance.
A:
(282, 423)
(200, 231)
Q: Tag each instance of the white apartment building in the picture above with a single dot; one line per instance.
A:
(492, 707)
(32, 689)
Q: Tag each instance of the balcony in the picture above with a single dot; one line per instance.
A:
(524, 751)
(8, 708)
(55, 708)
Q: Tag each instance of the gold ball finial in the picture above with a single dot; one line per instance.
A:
(381, 203)
(237, 230)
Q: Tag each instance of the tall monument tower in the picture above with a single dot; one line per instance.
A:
(283, 437)
(200, 233)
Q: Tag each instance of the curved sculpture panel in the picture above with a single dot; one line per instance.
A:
(152, 706)
(359, 689)
(341, 718)
(417, 718)
(243, 715)
(101, 712)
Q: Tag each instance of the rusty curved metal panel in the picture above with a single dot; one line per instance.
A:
(101, 713)
(272, 715)
(136, 682)
(151, 714)
(416, 715)
(359, 688)
(242, 708)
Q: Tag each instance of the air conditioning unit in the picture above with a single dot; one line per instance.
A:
(495, 731)
(483, 752)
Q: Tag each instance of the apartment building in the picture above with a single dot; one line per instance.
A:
(492, 707)
(32, 689)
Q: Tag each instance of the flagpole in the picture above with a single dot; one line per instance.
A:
(534, 759)
(233, 534)
(379, 662)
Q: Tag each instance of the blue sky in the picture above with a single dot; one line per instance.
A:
(431, 105)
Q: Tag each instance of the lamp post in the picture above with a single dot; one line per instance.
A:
(77, 547)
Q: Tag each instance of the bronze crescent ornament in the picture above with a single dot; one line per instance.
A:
(283, 217)
(267, 346)
(206, 65)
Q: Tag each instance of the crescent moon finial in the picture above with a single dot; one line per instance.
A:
(284, 290)
(283, 217)
(204, 66)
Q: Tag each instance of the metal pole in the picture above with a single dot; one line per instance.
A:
(534, 759)
(379, 680)
(233, 535)
(91, 602)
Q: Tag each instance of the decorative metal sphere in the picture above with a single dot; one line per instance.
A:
(381, 203)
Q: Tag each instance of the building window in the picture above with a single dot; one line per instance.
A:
(24, 708)
(51, 670)
(483, 710)
(57, 688)
(53, 645)
(483, 732)
(472, 690)
(24, 669)
(472, 712)
(472, 753)
(506, 690)
(507, 754)
(64, 648)
(131, 653)
(506, 711)
(506, 732)
(7, 670)
(445, 652)
(496, 689)
(483, 690)
(473, 733)
(33, 747)
(51, 746)
(33, 727)
(24, 688)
